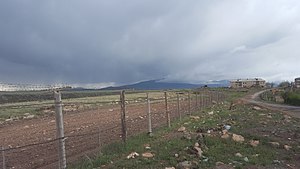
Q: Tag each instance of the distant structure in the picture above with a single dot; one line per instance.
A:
(29, 87)
(247, 83)
(297, 82)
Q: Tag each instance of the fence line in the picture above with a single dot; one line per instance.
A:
(157, 112)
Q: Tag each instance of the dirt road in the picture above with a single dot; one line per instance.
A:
(290, 110)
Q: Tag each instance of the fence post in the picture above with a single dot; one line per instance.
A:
(178, 107)
(167, 111)
(149, 115)
(3, 158)
(99, 137)
(123, 116)
(60, 130)
(196, 101)
(202, 101)
(189, 98)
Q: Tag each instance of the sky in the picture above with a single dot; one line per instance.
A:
(110, 42)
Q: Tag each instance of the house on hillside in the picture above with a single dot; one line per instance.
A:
(297, 82)
(247, 83)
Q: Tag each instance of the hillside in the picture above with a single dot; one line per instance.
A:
(158, 85)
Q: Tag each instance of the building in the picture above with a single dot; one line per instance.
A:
(297, 82)
(29, 87)
(247, 83)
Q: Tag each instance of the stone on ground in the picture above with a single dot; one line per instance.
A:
(238, 138)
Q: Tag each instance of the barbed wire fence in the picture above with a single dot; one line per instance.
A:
(119, 120)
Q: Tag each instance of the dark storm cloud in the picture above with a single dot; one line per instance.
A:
(114, 41)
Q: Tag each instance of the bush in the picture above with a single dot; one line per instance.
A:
(292, 98)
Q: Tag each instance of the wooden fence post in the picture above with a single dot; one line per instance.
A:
(178, 107)
(167, 110)
(149, 116)
(123, 116)
(60, 130)
(189, 98)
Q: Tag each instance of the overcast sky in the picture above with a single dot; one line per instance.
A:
(116, 41)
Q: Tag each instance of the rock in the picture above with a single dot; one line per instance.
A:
(225, 136)
(238, 138)
(195, 117)
(184, 165)
(210, 113)
(225, 131)
(181, 129)
(246, 159)
(26, 127)
(199, 151)
(197, 145)
(30, 117)
(238, 155)
(275, 144)
(176, 155)
(187, 136)
(132, 155)
(254, 143)
(8, 120)
(148, 155)
(287, 147)
(26, 114)
(219, 163)
(111, 110)
(170, 168)
(256, 108)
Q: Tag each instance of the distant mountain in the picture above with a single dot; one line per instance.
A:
(158, 85)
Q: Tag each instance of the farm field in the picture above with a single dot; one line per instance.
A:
(31, 143)
(42, 104)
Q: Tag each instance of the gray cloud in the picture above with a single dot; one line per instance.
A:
(121, 42)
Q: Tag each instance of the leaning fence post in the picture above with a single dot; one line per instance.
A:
(60, 130)
(167, 111)
(149, 116)
(178, 107)
(123, 116)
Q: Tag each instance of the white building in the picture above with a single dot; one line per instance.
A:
(247, 83)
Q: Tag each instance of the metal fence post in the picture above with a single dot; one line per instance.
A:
(123, 116)
(178, 107)
(99, 137)
(60, 130)
(149, 115)
(167, 110)
(189, 98)
(196, 101)
(3, 158)
(202, 101)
